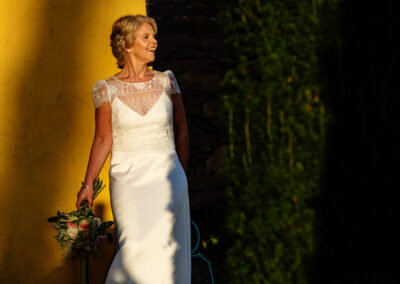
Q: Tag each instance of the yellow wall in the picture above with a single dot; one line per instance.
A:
(51, 53)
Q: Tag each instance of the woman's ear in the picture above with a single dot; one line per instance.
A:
(128, 50)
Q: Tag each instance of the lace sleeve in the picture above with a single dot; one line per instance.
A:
(173, 83)
(100, 93)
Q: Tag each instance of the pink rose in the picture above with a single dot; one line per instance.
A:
(84, 225)
(72, 225)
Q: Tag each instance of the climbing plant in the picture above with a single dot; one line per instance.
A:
(275, 122)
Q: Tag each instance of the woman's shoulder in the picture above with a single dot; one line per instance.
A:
(166, 77)
(99, 85)
(166, 74)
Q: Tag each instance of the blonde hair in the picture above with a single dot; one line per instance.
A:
(124, 29)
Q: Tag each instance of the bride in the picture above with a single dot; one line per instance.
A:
(140, 119)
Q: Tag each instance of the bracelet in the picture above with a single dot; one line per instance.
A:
(88, 186)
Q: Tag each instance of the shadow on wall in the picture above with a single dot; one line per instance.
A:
(46, 119)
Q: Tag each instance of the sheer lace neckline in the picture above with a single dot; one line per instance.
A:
(148, 81)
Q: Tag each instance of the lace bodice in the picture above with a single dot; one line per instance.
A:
(136, 127)
(140, 97)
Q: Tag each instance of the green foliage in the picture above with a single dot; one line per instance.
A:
(276, 125)
(79, 231)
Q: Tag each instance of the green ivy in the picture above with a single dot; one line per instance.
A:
(276, 126)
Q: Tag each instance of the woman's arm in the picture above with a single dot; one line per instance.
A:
(181, 134)
(101, 147)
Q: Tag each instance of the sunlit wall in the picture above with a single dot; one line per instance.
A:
(51, 53)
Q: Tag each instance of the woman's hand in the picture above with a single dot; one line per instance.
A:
(85, 194)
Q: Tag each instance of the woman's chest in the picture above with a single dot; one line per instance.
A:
(141, 110)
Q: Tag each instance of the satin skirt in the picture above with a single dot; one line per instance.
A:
(150, 205)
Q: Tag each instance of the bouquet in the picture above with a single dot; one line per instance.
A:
(80, 232)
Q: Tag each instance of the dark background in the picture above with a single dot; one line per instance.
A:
(360, 176)
(190, 43)
(360, 202)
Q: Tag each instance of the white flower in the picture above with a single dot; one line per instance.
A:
(97, 220)
(72, 218)
(72, 232)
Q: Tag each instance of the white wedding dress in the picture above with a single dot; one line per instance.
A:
(148, 186)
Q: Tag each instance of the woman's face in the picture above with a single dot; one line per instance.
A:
(145, 43)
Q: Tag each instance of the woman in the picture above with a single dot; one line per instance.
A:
(140, 118)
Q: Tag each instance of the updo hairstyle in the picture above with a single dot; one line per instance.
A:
(125, 29)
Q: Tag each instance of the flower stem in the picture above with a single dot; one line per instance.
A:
(85, 269)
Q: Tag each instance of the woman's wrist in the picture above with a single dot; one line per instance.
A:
(87, 185)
